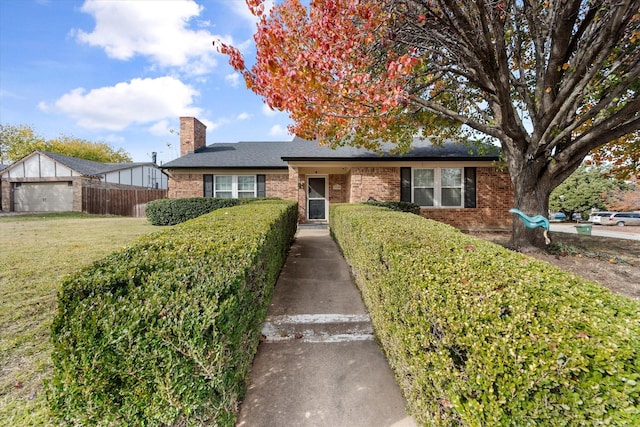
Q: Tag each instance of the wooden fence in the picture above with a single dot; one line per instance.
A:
(124, 202)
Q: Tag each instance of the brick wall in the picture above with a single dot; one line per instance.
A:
(379, 183)
(5, 195)
(279, 186)
(493, 189)
(494, 199)
(192, 185)
(301, 196)
(186, 185)
(337, 188)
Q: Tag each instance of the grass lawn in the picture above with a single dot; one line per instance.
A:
(36, 251)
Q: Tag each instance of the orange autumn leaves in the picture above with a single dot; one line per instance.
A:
(328, 66)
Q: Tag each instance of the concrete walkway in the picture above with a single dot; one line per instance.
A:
(319, 364)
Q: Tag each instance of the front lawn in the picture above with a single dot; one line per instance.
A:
(36, 251)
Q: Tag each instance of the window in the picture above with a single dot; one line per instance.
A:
(246, 186)
(438, 187)
(233, 186)
(424, 187)
(223, 186)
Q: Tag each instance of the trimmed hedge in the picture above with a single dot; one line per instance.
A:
(478, 335)
(413, 208)
(175, 211)
(165, 331)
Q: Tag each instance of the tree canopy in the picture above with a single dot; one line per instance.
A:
(18, 141)
(586, 189)
(622, 156)
(549, 80)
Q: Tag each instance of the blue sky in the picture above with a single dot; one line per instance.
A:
(124, 71)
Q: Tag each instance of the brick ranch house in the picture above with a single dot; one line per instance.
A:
(450, 183)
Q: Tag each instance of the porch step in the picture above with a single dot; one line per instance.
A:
(317, 328)
(314, 226)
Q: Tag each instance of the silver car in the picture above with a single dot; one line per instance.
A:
(615, 218)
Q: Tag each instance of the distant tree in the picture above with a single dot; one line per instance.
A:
(622, 156)
(584, 190)
(14, 138)
(18, 141)
(623, 200)
(550, 80)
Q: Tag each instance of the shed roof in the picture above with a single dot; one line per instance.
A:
(276, 154)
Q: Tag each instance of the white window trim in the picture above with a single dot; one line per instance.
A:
(234, 185)
(437, 189)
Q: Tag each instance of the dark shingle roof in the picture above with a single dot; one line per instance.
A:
(89, 167)
(269, 155)
(85, 167)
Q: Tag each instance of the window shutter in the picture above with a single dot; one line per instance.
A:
(405, 184)
(469, 187)
(262, 185)
(208, 185)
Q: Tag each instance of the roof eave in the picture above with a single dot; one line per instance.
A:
(390, 159)
(225, 167)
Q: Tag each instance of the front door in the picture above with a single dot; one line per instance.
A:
(316, 198)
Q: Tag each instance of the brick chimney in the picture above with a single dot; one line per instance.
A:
(193, 135)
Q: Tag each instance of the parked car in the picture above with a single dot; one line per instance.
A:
(596, 217)
(615, 218)
(558, 216)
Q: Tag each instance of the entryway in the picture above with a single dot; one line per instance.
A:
(317, 203)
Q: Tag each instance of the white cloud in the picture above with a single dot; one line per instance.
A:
(214, 125)
(233, 79)
(241, 9)
(279, 130)
(268, 111)
(243, 116)
(138, 101)
(158, 30)
(160, 128)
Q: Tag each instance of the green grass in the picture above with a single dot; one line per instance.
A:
(36, 251)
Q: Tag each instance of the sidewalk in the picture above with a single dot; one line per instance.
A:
(629, 232)
(319, 364)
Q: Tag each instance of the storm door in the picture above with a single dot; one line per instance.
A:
(317, 198)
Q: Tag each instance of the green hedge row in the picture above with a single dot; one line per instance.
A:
(413, 208)
(175, 211)
(164, 331)
(481, 336)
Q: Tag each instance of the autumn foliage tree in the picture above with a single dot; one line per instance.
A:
(550, 80)
(622, 156)
(18, 141)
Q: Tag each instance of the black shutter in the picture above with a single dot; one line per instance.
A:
(262, 185)
(208, 185)
(469, 187)
(405, 184)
